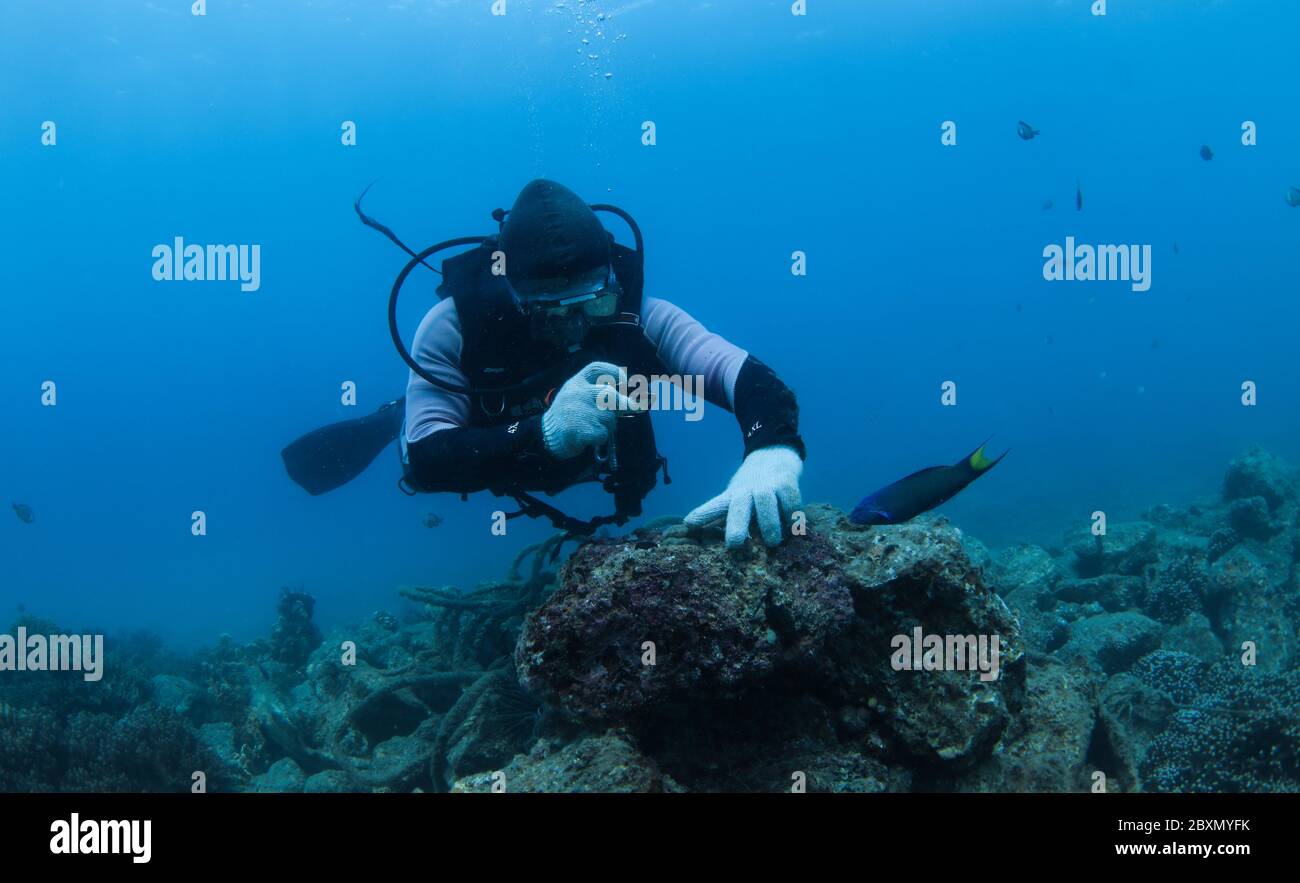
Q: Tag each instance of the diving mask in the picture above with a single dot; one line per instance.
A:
(595, 296)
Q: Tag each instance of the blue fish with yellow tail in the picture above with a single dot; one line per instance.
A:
(922, 491)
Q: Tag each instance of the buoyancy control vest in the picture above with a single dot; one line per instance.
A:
(512, 376)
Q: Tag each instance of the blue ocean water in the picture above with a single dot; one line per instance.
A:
(776, 133)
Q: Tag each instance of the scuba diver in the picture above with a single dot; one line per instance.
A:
(508, 389)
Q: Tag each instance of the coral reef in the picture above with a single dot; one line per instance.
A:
(67, 734)
(1239, 731)
(1163, 654)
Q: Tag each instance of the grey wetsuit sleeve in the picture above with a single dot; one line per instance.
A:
(765, 407)
(685, 346)
(437, 350)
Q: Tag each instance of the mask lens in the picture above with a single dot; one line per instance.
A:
(602, 305)
(565, 309)
(596, 304)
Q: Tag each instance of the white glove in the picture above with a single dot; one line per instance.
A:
(583, 412)
(765, 485)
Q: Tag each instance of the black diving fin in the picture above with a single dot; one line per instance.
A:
(330, 457)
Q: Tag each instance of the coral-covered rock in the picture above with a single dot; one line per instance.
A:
(228, 770)
(1024, 568)
(1252, 609)
(1043, 630)
(1194, 636)
(376, 717)
(494, 722)
(1046, 747)
(1175, 674)
(1113, 641)
(328, 782)
(1111, 591)
(823, 611)
(1165, 515)
(175, 693)
(759, 743)
(1220, 543)
(1130, 714)
(294, 635)
(284, 776)
(1126, 548)
(979, 554)
(916, 576)
(718, 623)
(1181, 586)
(1249, 517)
(1259, 473)
(1241, 734)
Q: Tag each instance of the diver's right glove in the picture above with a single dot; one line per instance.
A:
(765, 489)
(583, 412)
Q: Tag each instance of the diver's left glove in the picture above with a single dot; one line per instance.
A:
(765, 486)
(584, 411)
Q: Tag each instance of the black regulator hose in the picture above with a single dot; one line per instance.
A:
(627, 219)
(392, 311)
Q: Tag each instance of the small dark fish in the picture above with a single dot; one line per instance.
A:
(1047, 205)
(1078, 198)
(1206, 153)
(921, 491)
(1025, 131)
(1155, 344)
(431, 520)
(1020, 308)
(1176, 248)
(24, 512)
(1293, 196)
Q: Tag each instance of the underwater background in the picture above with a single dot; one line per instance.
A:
(776, 133)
